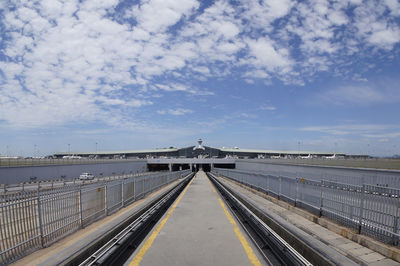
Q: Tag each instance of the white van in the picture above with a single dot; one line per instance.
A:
(86, 176)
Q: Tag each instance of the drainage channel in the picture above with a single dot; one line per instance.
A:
(117, 250)
(275, 250)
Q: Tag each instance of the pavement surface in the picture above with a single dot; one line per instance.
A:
(197, 230)
(344, 246)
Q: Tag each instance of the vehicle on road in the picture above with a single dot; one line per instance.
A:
(86, 176)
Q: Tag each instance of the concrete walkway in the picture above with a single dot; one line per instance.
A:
(197, 230)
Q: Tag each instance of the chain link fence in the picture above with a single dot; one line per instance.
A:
(368, 209)
(32, 219)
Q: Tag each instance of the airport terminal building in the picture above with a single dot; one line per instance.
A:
(199, 151)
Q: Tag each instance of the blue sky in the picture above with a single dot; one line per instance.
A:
(310, 75)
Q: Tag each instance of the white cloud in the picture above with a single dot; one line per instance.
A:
(263, 54)
(267, 108)
(354, 94)
(261, 14)
(338, 17)
(157, 15)
(63, 54)
(385, 38)
(362, 95)
(394, 7)
(177, 111)
(352, 129)
(385, 136)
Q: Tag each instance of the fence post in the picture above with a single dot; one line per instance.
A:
(80, 206)
(122, 193)
(40, 218)
(321, 198)
(143, 187)
(134, 189)
(395, 225)
(296, 192)
(361, 208)
(280, 187)
(105, 199)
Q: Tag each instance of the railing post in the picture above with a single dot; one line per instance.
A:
(122, 193)
(361, 208)
(134, 189)
(40, 218)
(296, 192)
(395, 239)
(280, 187)
(143, 186)
(105, 199)
(321, 198)
(80, 206)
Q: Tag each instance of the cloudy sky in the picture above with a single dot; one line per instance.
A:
(277, 74)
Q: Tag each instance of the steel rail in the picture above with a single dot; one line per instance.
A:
(124, 243)
(268, 240)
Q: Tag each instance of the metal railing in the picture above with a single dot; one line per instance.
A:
(374, 163)
(354, 176)
(32, 219)
(57, 183)
(11, 162)
(370, 210)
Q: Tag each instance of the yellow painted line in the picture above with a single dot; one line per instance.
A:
(249, 251)
(139, 256)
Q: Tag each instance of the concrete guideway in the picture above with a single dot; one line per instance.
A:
(296, 221)
(197, 230)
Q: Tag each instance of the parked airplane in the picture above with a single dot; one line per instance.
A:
(71, 157)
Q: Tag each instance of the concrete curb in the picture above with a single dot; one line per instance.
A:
(368, 242)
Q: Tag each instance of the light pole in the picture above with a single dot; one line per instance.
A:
(96, 147)
(34, 150)
(298, 148)
(69, 148)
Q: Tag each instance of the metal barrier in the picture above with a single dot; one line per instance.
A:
(18, 162)
(352, 176)
(370, 210)
(57, 183)
(32, 219)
